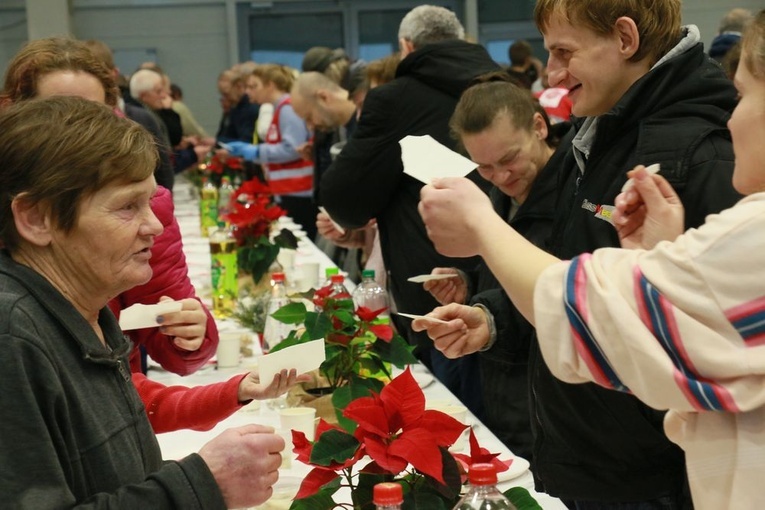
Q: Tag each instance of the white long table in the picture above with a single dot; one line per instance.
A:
(179, 444)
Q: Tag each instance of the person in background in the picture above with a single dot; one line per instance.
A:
(729, 34)
(508, 135)
(676, 319)
(554, 100)
(524, 66)
(189, 124)
(367, 180)
(238, 121)
(77, 228)
(289, 176)
(58, 66)
(663, 100)
(132, 109)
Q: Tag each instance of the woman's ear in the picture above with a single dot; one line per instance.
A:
(32, 220)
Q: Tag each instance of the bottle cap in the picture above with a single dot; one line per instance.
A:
(482, 474)
(330, 271)
(368, 273)
(337, 278)
(387, 494)
(277, 277)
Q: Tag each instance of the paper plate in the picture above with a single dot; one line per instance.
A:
(517, 468)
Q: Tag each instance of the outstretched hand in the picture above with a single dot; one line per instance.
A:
(448, 290)
(465, 332)
(252, 389)
(647, 213)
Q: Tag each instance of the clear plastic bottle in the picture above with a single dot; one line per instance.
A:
(224, 271)
(482, 493)
(208, 208)
(328, 272)
(339, 290)
(371, 295)
(224, 199)
(276, 331)
(387, 496)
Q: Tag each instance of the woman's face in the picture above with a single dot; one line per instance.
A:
(508, 157)
(108, 250)
(747, 128)
(256, 90)
(71, 83)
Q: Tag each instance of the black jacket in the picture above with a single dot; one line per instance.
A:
(504, 367)
(593, 443)
(366, 180)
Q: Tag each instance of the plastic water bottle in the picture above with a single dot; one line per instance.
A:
(339, 290)
(387, 496)
(208, 208)
(275, 331)
(223, 272)
(224, 199)
(328, 272)
(371, 295)
(483, 493)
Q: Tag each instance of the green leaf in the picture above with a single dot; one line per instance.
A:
(293, 313)
(322, 500)
(356, 388)
(397, 351)
(292, 339)
(521, 498)
(333, 446)
(346, 317)
(317, 324)
(286, 239)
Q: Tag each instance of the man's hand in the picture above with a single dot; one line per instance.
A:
(188, 326)
(306, 151)
(466, 332)
(448, 290)
(649, 212)
(454, 210)
(245, 463)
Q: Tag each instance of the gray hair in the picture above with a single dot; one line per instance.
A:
(142, 81)
(735, 20)
(428, 24)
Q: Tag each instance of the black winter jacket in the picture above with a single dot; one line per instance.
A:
(592, 443)
(366, 180)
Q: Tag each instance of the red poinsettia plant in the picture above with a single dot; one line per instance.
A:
(252, 212)
(398, 440)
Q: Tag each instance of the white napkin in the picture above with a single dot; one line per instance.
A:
(145, 316)
(302, 357)
(415, 316)
(425, 159)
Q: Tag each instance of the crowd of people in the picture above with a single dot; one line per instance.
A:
(602, 321)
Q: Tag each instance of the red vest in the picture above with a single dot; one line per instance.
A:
(291, 177)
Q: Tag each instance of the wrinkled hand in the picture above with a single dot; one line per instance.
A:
(466, 332)
(188, 326)
(649, 212)
(453, 210)
(306, 151)
(450, 290)
(251, 389)
(245, 463)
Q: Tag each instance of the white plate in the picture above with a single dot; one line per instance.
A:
(517, 468)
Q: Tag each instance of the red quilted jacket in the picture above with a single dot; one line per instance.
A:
(170, 278)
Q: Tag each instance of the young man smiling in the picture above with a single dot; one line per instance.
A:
(643, 92)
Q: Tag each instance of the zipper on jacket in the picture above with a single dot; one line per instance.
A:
(123, 371)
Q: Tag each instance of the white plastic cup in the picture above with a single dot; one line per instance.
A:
(229, 346)
(301, 419)
(308, 275)
(286, 259)
(287, 454)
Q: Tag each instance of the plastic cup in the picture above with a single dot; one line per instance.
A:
(301, 419)
(229, 346)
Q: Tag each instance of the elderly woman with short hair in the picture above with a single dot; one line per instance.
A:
(77, 229)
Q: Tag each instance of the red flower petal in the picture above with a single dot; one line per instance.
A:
(302, 446)
(420, 450)
(368, 315)
(369, 414)
(403, 400)
(445, 429)
(381, 454)
(314, 481)
(382, 331)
